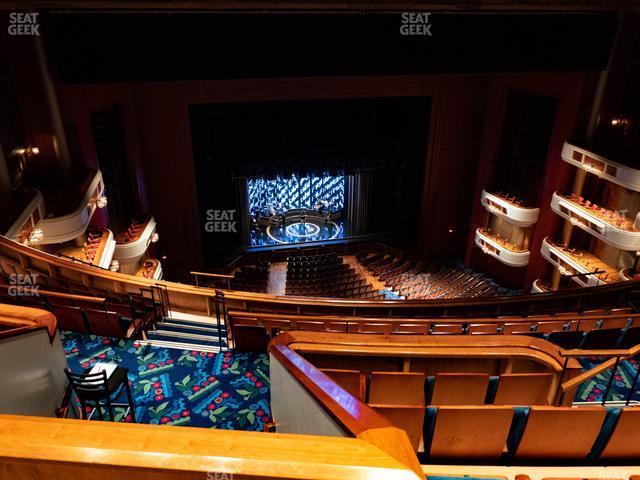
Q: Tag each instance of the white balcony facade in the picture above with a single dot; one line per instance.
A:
(131, 252)
(512, 213)
(72, 225)
(498, 251)
(568, 265)
(591, 223)
(603, 167)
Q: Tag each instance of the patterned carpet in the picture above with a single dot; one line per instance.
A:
(181, 387)
(594, 389)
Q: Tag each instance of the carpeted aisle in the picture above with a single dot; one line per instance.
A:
(180, 387)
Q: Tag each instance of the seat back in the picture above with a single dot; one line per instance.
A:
(71, 318)
(380, 328)
(396, 388)
(566, 339)
(409, 418)
(460, 389)
(560, 433)
(509, 328)
(447, 329)
(524, 389)
(602, 339)
(483, 329)
(631, 338)
(623, 443)
(352, 381)
(463, 432)
(548, 327)
(412, 329)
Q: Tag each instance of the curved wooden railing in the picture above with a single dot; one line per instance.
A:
(355, 417)
(448, 346)
(15, 257)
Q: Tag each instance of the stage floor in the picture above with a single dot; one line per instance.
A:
(310, 231)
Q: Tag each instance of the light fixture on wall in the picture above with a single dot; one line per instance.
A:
(36, 236)
(619, 122)
(155, 237)
(102, 201)
(115, 265)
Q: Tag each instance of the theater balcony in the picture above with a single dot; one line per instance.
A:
(150, 268)
(583, 267)
(601, 166)
(540, 286)
(606, 225)
(628, 274)
(97, 250)
(501, 249)
(71, 203)
(21, 213)
(509, 208)
(132, 244)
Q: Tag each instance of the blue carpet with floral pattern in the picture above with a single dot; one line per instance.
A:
(594, 389)
(182, 387)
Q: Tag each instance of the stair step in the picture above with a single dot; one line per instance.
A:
(205, 322)
(182, 346)
(185, 335)
(177, 327)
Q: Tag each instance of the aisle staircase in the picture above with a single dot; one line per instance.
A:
(188, 332)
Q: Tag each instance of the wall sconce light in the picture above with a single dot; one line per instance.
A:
(33, 151)
(115, 265)
(155, 237)
(619, 122)
(574, 221)
(102, 201)
(36, 236)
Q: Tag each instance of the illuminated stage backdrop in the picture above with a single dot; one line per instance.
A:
(285, 193)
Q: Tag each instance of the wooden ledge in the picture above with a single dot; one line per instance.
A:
(490, 346)
(37, 447)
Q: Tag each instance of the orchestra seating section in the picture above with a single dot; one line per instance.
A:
(426, 280)
(326, 275)
(251, 278)
(602, 329)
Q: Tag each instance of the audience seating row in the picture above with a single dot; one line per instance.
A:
(326, 275)
(603, 331)
(115, 316)
(501, 434)
(419, 281)
(251, 278)
(412, 388)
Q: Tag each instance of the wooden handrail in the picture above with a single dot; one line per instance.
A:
(578, 295)
(579, 353)
(357, 418)
(457, 320)
(215, 275)
(459, 346)
(583, 377)
(68, 296)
